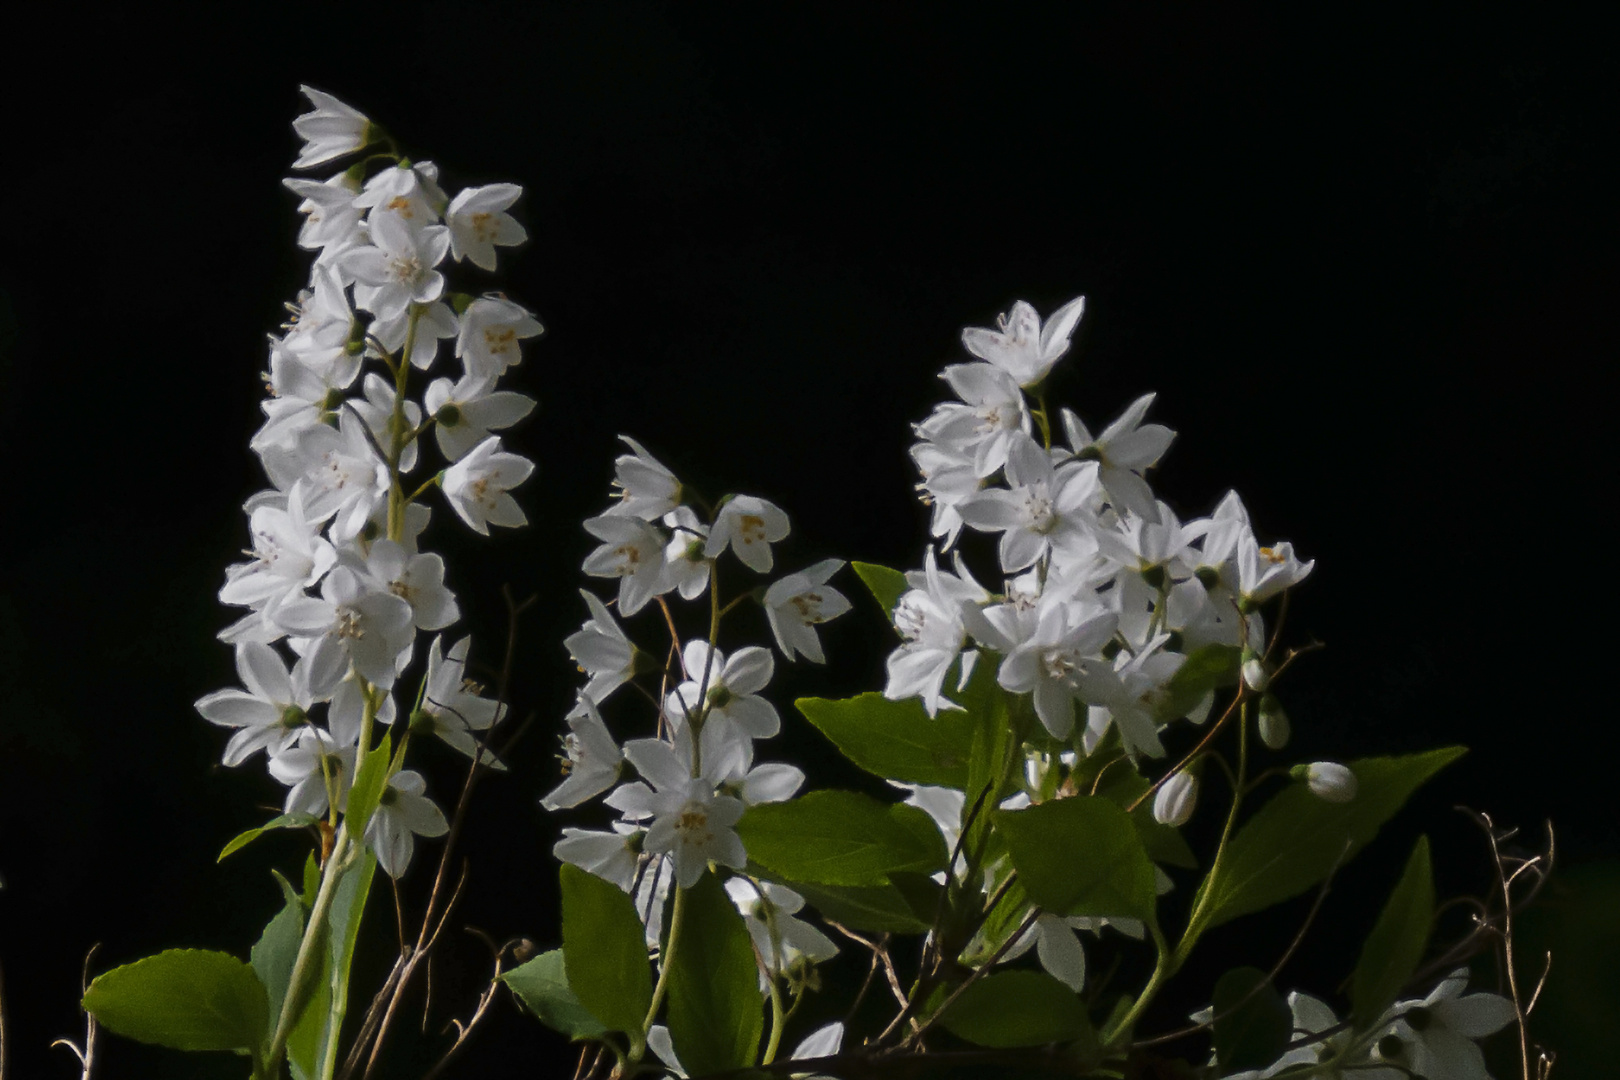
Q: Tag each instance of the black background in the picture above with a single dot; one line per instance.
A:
(1360, 258)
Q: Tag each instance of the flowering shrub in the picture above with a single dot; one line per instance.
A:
(1025, 725)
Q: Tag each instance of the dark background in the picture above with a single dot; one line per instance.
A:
(1360, 258)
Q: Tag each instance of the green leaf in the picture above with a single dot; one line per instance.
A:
(312, 880)
(1018, 1008)
(887, 586)
(285, 821)
(1396, 943)
(605, 951)
(1296, 839)
(1208, 668)
(904, 906)
(276, 951)
(1122, 785)
(370, 780)
(841, 838)
(896, 740)
(187, 999)
(1079, 856)
(985, 705)
(542, 985)
(319, 1021)
(715, 1013)
(1253, 1034)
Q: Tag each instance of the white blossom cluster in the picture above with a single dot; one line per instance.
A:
(335, 581)
(697, 773)
(1434, 1037)
(1106, 590)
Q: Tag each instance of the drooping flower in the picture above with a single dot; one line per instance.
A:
(478, 221)
(1122, 452)
(477, 486)
(601, 650)
(795, 605)
(725, 690)
(272, 709)
(593, 760)
(748, 526)
(632, 551)
(402, 814)
(330, 130)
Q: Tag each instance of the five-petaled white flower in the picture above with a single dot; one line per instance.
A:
(749, 526)
(402, 814)
(725, 691)
(632, 551)
(1020, 345)
(478, 221)
(798, 603)
(330, 130)
(477, 486)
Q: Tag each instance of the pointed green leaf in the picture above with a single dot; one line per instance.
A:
(715, 1012)
(1396, 943)
(312, 880)
(542, 985)
(605, 951)
(1252, 1021)
(1079, 856)
(985, 705)
(285, 821)
(1018, 1008)
(883, 909)
(187, 999)
(896, 740)
(887, 586)
(276, 951)
(841, 838)
(1296, 839)
(370, 780)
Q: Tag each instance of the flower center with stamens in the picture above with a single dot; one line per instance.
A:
(750, 527)
(1035, 509)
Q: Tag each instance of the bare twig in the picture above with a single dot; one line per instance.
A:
(463, 1031)
(880, 954)
(917, 1030)
(86, 1056)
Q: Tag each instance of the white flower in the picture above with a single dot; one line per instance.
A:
(464, 413)
(417, 579)
(1263, 572)
(768, 911)
(725, 690)
(452, 706)
(948, 479)
(306, 767)
(929, 619)
(982, 429)
(684, 563)
(410, 193)
(749, 526)
(1066, 639)
(797, 604)
(647, 489)
(402, 811)
(601, 650)
(1056, 946)
(377, 410)
(343, 477)
(593, 760)
(288, 552)
(691, 822)
(1124, 449)
(270, 712)
(490, 330)
(397, 268)
(352, 622)
(330, 130)
(611, 856)
(477, 486)
(1043, 508)
(1020, 345)
(1328, 780)
(632, 551)
(1437, 1034)
(1129, 696)
(331, 220)
(478, 221)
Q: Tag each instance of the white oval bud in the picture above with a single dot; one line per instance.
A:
(1329, 780)
(1255, 676)
(1274, 726)
(1174, 801)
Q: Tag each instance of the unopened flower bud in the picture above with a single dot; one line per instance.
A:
(1173, 803)
(1274, 726)
(1255, 675)
(1328, 780)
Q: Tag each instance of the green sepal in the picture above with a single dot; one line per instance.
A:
(1018, 1008)
(285, 821)
(1297, 839)
(605, 951)
(887, 586)
(715, 1013)
(841, 838)
(185, 999)
(1255, 1033)
(542, 986)
(1396, 944)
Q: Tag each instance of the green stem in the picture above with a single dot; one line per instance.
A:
(396, 494)
(778, 1022)
(666, 961)
(297, 984)
(1162, 968)
(1195, 921)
